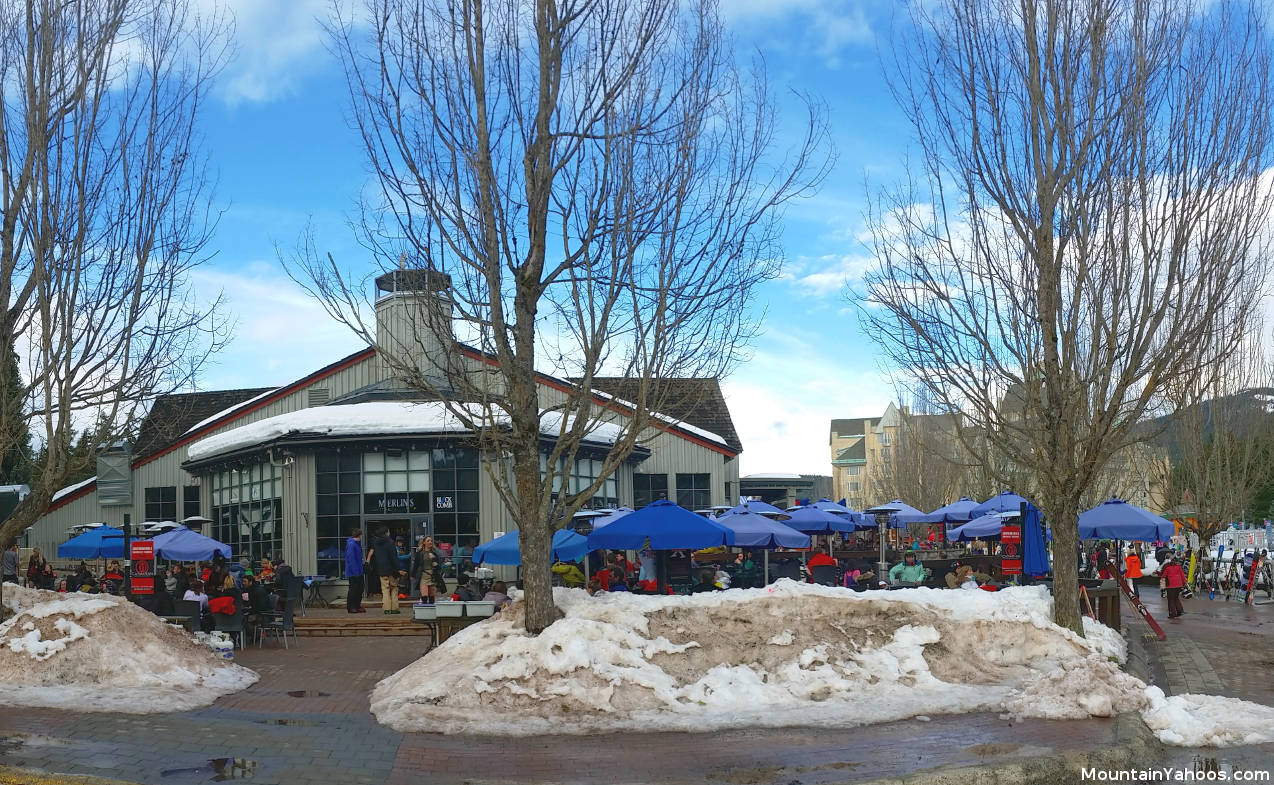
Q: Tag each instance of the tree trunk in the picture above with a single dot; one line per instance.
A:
(1064, 518)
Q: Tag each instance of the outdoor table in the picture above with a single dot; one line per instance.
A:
(432, 624)
(312, 596)
(185, 621)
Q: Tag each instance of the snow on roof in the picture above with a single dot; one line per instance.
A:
(772, 476)
(370, 418)
(230, 409)
(70, 489)
(355, 419)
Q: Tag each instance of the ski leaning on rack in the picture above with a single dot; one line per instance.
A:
(1258, 563)
(1191, 576)
(1139, 606)
(1232, 576)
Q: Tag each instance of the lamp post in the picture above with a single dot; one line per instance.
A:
(882, 514)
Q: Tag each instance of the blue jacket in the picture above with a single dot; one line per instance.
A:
(353, 557)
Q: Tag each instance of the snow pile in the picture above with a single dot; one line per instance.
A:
(94, 652)
(789, 654)
(1207, 720)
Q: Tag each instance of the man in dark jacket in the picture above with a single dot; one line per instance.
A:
(354, 572)
(384, 557)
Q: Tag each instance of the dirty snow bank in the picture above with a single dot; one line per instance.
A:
(102, 653)
(789, 654)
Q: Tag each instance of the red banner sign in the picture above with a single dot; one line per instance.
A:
(142, 554)
(1011, 541)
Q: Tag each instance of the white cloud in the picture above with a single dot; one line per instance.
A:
(831, 273)
(824, 27)
(783, 400)
(277, 44)
(281, 333)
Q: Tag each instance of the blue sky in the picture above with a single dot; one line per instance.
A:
(284, 155)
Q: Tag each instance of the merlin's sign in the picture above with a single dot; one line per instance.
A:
(395, 503)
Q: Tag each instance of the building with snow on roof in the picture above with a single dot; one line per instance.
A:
(291, 470)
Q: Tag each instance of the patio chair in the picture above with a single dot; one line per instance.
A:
(188, 609)
(826, 574)
(295, 590)
(279, 624)
(231, 624)
(785, 569)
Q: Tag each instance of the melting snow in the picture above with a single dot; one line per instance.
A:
(93, 653)
(785, 656)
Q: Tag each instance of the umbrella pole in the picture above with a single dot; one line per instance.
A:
(662, 570)
(765, 558)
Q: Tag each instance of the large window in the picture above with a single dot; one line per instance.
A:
(648, 488)
(853, 471)
(693, 491)
(338, 507)
(161, 503)
(455, 499)
(247, 510)
(190, 501)
(582, 475)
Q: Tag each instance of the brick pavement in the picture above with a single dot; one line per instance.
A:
(1217, 648)
(327, 737)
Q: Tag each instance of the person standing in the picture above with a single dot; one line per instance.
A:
(426, 571)
(1174, 579)
(354, 572)
(9, 566)
(1132, 570)
(384, 557)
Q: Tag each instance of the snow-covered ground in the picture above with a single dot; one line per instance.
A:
(788, 655)
(102, 653)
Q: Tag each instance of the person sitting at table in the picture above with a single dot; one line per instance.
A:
(172, 578)
(961, 573)
(81, 575)
(61, 589)
(464, 591)
(196, 594)
(618, 580)
(594, 587)
(112, 581)
(707, 582)
(499, 595)
(256, 601)
(821, 559)
(909, 570)
(569, 573)
(266, 571)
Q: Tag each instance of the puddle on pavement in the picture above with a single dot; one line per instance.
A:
(308, 694)
(288, 721)
(217, 770)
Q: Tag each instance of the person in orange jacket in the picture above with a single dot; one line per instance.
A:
(1132, 569)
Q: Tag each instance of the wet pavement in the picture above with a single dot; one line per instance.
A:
(307, 721)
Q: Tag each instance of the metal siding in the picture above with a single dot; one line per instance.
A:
(300, 541)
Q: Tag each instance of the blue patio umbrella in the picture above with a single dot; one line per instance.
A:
(812, 520)
(182, 544)
(955, 512)
(667, 526)
(827, 505)
(904, 514)
(1116, 519)
(760, 507)
(979, 528)
(1034, 557)
(507, 548)
(102, 542)
(757, 531)
(1004, 501)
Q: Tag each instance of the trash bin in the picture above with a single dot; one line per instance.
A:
(1105, 603)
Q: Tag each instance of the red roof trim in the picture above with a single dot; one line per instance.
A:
(319, 375)
(561, 386)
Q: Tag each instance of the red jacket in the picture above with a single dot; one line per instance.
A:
(1173, 576)
(821, 559)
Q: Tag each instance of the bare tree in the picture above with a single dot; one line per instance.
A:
(1088, 226)
(105, 210)
(593, 183)
(1223, 441)
(926, 466)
